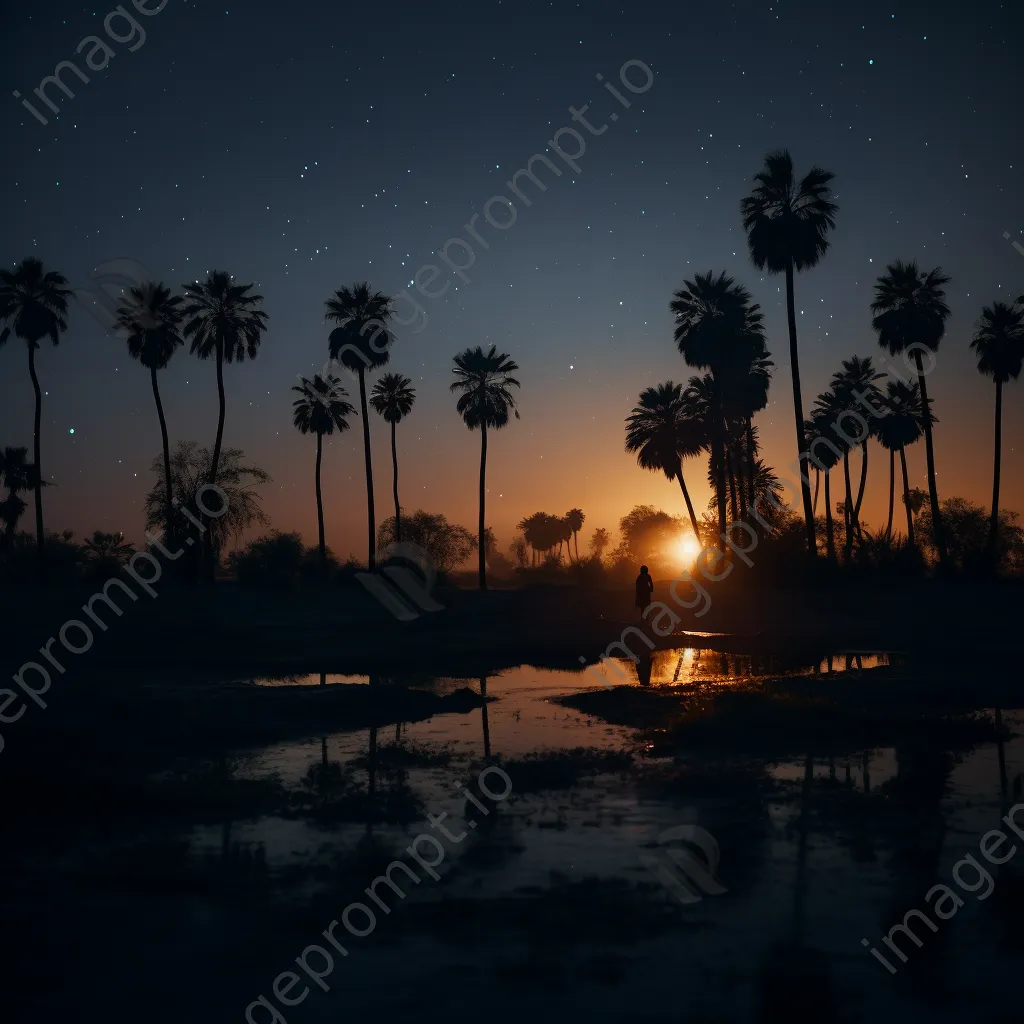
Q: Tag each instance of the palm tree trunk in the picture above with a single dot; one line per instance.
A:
(371, 528)
(394, 486)
(208, 542)
(993, 528)
(483, 492)
(892, 491)
(166, 445)
(817, 486)
(739, 475)
(863, 481)
(751, 468)
(906, 498)
(37, 478)
(689, 503)
(576, 543)
(798, 409)
(933, 490)
(731, 477)
(320, 500)
(829, 530)
(848, 507)
(718, 459)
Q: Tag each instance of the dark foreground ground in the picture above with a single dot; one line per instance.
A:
(176, 832)
(335, 628)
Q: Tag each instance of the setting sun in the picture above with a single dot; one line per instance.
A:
(687, 548)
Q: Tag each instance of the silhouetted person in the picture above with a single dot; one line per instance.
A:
(644, 589)
(643, 668)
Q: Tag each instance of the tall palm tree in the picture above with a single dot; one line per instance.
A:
(224, 324)
(903, 424)
(485, 381)
(787, 224)
(358, 310)
(321, 409)
(662, 430)
(717, 327)
(575, 517)
(999, 342)
(151, 319)
(854, 390)
(393, 397)
(34, 305)
(910, 313)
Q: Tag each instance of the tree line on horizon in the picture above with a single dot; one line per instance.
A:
(718, 329)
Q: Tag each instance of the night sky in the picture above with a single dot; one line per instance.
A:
(305, 146)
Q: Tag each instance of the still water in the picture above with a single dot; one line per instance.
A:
(552, 910)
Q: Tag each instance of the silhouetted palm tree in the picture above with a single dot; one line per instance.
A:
(999, 342)
(17, 474)
(223, 323)
(575, 517)
(599, 541)
(787, 224)
(362, 342)
(910, 314)
(751, 397)
(717, 327)
(902, 425)
(826, 448)
(34, 305)
(392, 397)
(151, 319)
(485, 381)
(320, 410)
(855, 385)
(662, 430)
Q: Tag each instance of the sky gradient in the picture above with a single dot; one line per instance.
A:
(326, 146)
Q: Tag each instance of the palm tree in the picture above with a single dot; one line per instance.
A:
(662, 430)
(34, 305)
(751, 397)
(787, 224)
(393, 397)
(151, 318)
(485, 381)
(575, 518)
(910, 314)
(826, 455)
(358, 310)
(320, 409)
(999, 342)
(599, 542)
(717, 327)
(902, 424)
(17, 474)
(855, 386)
(223, 322)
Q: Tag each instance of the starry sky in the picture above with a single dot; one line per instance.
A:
(306, 146)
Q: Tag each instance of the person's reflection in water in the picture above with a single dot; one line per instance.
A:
(643, 668)
(483, 717)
